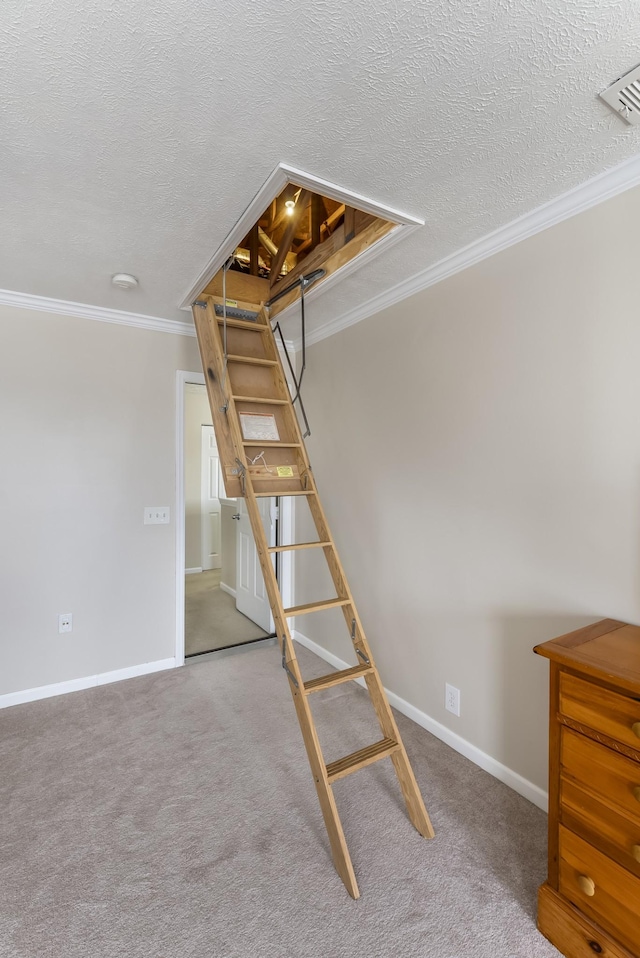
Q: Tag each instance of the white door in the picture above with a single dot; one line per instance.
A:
(251, 594)
(210, 491)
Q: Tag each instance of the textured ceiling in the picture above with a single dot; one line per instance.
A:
(133, 135)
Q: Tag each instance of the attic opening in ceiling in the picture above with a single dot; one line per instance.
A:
(302, 226)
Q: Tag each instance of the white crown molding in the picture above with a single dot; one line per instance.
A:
(597, 190)
(533, 793)
(272, 188)
(99, 314)
(87, 682)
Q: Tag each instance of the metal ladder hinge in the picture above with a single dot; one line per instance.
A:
(353, 639)
(284, 662)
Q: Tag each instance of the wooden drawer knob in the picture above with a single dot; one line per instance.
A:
(586, 885)
(635, 728)
(635, 851)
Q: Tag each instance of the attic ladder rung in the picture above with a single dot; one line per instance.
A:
(360, 759)
(271, 444)
(251, 360)
(300, 545)
(316, 607)
(336, 678)
(291, 492)
(262, 399)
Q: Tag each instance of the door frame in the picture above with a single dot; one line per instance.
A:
(285, 570)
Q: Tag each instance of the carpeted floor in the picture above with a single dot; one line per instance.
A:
(211, 618)
(174, 816)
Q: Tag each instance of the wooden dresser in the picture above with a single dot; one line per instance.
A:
(590, 903)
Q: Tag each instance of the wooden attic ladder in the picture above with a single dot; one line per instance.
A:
(244, 376)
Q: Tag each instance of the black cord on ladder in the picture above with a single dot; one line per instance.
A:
(304, 282)
(307, 431)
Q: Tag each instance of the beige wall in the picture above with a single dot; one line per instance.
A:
(477, 448)
(197, 414)
(87, 440)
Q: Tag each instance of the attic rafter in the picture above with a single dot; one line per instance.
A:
(287, 239)
(349, 223)
(318, 214)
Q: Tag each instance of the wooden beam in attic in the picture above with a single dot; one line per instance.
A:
(318, 214)
(349, 223)
(287, 239)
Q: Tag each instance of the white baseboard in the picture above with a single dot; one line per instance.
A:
(227, 588)
(533, 793)
(88, 682)
(193, 571)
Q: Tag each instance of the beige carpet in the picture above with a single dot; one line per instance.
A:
(174, 816)
(211, 618)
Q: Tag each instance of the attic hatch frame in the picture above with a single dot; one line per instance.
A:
(283, 176)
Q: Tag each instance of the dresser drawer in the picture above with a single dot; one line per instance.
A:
(600, 888)
(610, 831)
(611, 777)
(617, 716)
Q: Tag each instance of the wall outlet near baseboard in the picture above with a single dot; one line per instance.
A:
(156, 515)
(65, 622)
(452, 699)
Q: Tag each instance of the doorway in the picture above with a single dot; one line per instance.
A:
(223, 599)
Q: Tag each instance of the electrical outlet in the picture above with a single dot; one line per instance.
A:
(65, 622)
(452, 699)
(156, 515)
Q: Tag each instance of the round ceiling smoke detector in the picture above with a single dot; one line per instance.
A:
(124, 280)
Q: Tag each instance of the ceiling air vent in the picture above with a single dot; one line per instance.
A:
(623, 96)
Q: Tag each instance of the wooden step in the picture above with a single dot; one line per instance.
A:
(360, 759)
(291, 492)
(299, 545)
(271, 444)
(251, 360)
(242, 324)
(261, 399)
(336, 678)
(316, 606)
